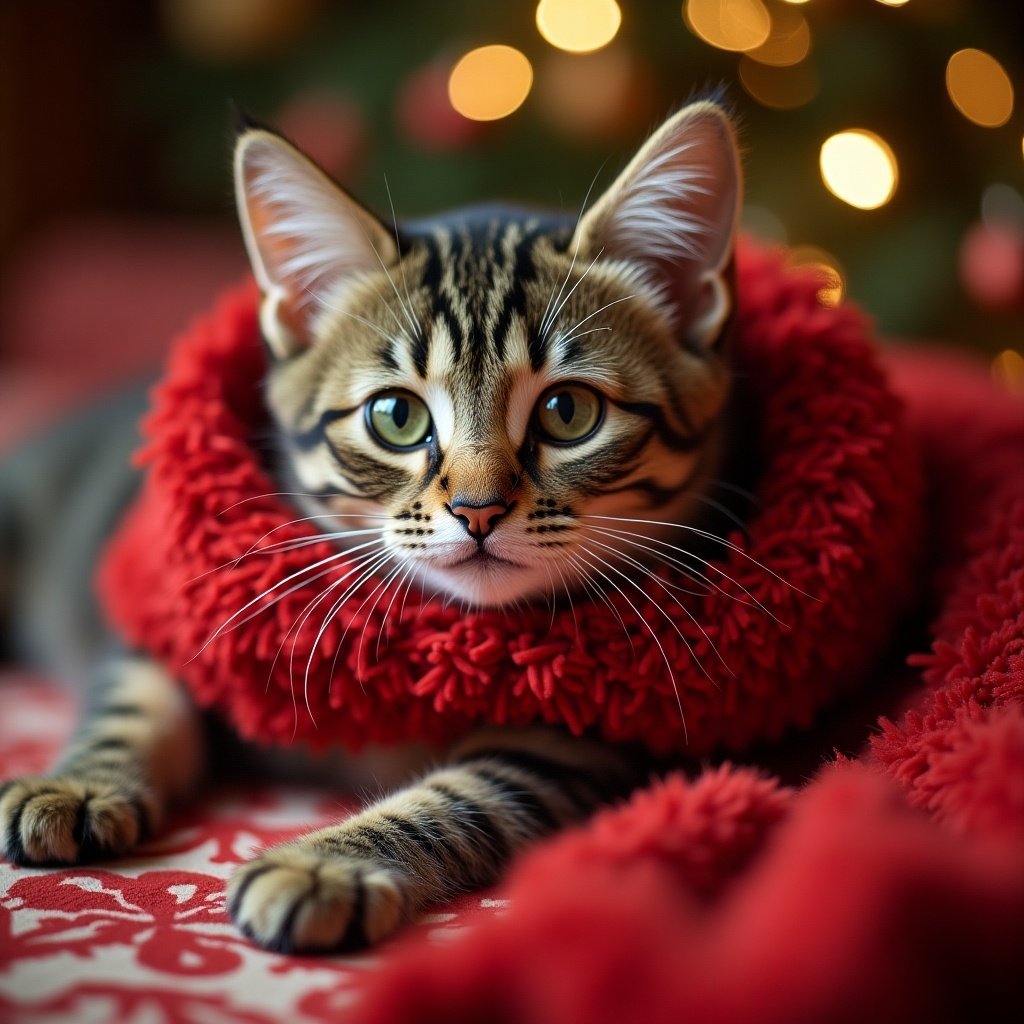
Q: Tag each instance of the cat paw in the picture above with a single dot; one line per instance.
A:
(48, 821)
(293, 901)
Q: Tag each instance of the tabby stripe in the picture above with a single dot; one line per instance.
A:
(120, 710)
(307, 440)
(442, 310)
(515, 792)
(417, 836)
(379, 841)
(558, 774)
(670, 438)
(474, 821)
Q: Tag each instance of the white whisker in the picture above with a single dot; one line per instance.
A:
(654, 637)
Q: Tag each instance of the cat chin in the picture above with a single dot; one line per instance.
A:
(486, 584)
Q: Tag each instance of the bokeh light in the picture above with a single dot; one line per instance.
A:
(979, 88)
(827, 268)
(780, 88)
(789, 41)
(490, 82)
(737, 25)
(578, 26)
(858, 167)
(894, 3)
(1008, 371)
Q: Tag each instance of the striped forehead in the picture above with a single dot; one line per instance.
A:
(474, 288)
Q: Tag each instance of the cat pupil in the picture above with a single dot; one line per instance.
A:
(400, 412)
(566, 406)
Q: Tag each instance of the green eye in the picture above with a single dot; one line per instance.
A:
(398, 419)
(568, 413)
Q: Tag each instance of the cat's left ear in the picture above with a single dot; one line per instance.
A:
(306, 237)
(673, 213)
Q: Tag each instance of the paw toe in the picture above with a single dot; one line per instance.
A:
(67, 821)
(292, 901)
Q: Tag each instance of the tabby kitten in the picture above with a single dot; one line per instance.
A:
(478, 393)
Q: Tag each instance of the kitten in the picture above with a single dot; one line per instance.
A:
(499, 378)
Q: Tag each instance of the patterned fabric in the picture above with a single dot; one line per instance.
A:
(148, 939)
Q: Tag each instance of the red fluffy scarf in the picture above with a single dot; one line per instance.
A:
(829, 553)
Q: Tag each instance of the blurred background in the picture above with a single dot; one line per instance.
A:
(883, 138)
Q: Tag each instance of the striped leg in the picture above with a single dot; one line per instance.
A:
(454, 830)
(136, 749)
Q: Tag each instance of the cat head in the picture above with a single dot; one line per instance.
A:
(479, 397)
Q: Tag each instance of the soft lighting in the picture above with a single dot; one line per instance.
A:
(826, 266)
(490, 82)
(779, 88)
(789, 41)
(1008, 370)
(737, 25)
(894, 3)
(859, 168)
(578, 26)
(979, 88)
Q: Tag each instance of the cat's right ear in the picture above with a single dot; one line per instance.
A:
(306, 237)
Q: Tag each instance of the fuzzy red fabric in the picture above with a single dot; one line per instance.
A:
(830, 551)
(889, 888)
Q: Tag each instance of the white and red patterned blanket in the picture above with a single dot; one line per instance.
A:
(147, 940)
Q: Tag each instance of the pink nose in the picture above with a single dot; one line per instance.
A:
(478, 519)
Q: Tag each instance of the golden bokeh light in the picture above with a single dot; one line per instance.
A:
(826, 267)
(789, 41)
(778, 87)
(490, 82)
(579, 26)
(1008, 371)
(859, 167)
(894, 3)
(736, 25)
(980, 88)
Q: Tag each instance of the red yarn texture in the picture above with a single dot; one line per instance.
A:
(888, 888)
(830, 551)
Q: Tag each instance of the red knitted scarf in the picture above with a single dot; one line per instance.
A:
(829, 553)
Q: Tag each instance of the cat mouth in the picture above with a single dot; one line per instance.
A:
(481, 557)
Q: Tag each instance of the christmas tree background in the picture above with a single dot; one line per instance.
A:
(125, 106)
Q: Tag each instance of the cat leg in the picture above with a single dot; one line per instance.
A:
(138, 747)
(454, 830)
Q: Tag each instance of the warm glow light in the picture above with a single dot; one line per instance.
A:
(578, 26)
(490, 82)
(894, 3)
(1008, 370)
(979, 88)
(826, 267)
(789, 42)
(859, 168)
(779, 88)
(737, 25)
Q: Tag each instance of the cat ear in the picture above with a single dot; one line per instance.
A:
(673, 212)
(305, 236)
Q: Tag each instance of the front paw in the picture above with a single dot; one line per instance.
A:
(65, 820)
(294, 901)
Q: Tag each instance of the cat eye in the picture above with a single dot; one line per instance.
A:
(568, 413)
(398, 420)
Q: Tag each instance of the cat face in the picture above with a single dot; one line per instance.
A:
(480, 397)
